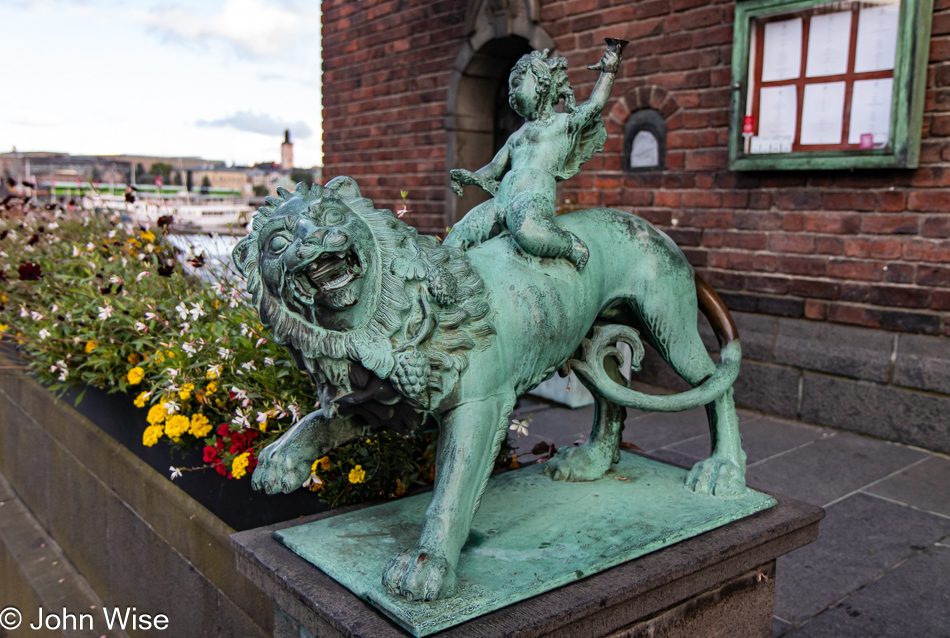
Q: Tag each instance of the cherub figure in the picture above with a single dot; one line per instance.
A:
(549, 147)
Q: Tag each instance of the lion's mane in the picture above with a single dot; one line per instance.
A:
(429, 306)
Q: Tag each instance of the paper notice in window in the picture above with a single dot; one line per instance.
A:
(782, 55)
(871, 111)
(823, 113)
(777, 108)
(828, 38)
(877, 39)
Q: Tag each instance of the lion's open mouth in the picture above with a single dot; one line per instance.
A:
(333, 271)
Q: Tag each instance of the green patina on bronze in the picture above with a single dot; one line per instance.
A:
(396, 329)
(529, 536)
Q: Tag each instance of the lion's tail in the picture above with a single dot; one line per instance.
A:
(601, 344)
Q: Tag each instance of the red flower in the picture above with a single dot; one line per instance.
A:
(222, 470)
(30, 271)
(211, 454)
(224, 429)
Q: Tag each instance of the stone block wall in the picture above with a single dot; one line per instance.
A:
(122, 533)
(888, 385)
(865, 248)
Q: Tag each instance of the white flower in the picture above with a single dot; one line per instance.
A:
(53, 226)
(172, 372)
(520, 426)
(24, 312)
(105, 312)
(190, 349)
(150, 315)
(313, 479)
(36, 316)
(115, 279)
(240, 419)
(295, 410)
(142, 275)
(90, 246)
(244, 329)
(268, 361)
(262, 417)
(260, 342)
(249, 366)
(175, 472)
(63, 375)
(214, 371)
(141, 327)
(44, 333)
(91, 264)
(111, 234)
(171, 407)
(182, 310)
(196, 311)
(54, 308)
(140, 256)
(238, 393)
(224, 353)
(75, 251)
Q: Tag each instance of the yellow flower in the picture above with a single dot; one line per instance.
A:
(151, 435)
(171, 354)
(212, 387)
(316, 483)
(147, 236)
(90, 346)
(134, 359)
(159, 357)
(136, 375)
(156, 414)
(357, 475)
(325, 463)
(4, 327)
(177, 425)
(185, 392)
(213, 372)
(140, 399)
(200, 426)
(315, 466)
(239, 466)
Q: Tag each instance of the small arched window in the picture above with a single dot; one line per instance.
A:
(644, 141)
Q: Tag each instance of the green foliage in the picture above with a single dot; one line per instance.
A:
(298, 175)
(163, 169)
(92, 301)
(261, 191)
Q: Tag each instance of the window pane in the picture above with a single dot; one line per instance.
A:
(645, 151)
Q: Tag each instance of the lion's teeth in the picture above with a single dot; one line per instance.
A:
(338, 281)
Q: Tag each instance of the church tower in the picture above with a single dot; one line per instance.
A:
(287, 152)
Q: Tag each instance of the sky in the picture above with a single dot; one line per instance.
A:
(219, 79)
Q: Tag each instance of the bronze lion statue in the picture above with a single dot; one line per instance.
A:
(394, 328)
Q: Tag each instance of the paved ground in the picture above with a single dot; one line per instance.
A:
(881, 565)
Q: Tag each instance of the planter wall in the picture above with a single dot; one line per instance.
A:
(133, 536)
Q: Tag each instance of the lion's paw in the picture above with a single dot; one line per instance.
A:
(417, 574)
(717, 476)
(280, 469)
(583, 463)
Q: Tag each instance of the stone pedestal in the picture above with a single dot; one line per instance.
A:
(721, 582)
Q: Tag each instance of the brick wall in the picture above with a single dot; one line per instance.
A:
(868, 248)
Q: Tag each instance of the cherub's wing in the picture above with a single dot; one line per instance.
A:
(589, 140)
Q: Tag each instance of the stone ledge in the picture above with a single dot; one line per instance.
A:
(611, 601)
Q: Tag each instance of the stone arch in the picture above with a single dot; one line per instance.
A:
(644, 97)
(497, 33)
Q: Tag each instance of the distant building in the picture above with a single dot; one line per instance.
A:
(287, 152)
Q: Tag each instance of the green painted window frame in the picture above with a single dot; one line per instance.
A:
(910, 79)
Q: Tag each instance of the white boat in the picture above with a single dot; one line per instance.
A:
(192, 212)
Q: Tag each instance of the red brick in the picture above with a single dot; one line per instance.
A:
(773, 285)
(900, 296)
(855, 315)
(923, 250)
(797, 199)
(701, 199)
(667, 199)
(828, 245)
(890, 224)
(936, 226)
(836, 223)
(810, 266)
(819, 288)
(815, 309)
(938, 276)
(855, 269)
(937, 201)
(940, 300)
(849, 200)
(891, 201)
(876, 248)
(789, 243)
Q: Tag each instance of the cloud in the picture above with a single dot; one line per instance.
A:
(256, 28)
(259, 123)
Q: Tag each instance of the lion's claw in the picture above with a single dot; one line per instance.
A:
(278, 471)
(417, 574)
(717, 476)
(584, 463)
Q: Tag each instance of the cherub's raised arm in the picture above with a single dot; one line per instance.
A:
(487, 177)
(608, 66)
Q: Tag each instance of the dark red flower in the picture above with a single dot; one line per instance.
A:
(166, 269)
(222, 470)
(30, 271)
(164, 221)
(211, 453)
(224, 429)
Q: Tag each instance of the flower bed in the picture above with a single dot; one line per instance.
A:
(92, 301)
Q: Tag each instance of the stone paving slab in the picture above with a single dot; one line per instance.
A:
(762, 438)
(925, 485)
(831, 467)
(860, 539)
(910, 600)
